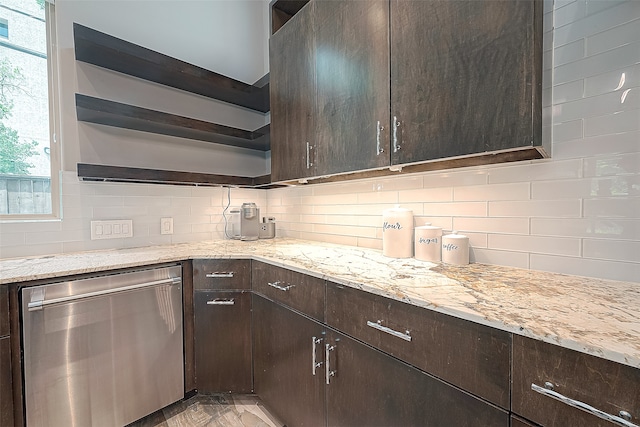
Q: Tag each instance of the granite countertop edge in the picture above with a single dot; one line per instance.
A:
(591, 315)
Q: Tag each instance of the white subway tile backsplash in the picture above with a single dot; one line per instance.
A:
(612, 165)
(624, 56)
(588, 267)
(562, 189)
(570, 52)
(595, 6)
(492, 225)
(615, 250)
(535, 244)
(601, 228)
(619, 79)
(444, 222)
(377, 197)
(613, 38)
(490, 256)
(567, 131)
(30, 250)
(12, 239)
(626, 142)
(569, 13)
(537, 208)
(600, 105)
(542, 170)
(470, 176)
(622, 207)
(456, 209)
(624, 121)
(508, 191)
(568, 92)
(438, 194)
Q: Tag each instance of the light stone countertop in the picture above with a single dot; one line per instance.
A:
(594, 316)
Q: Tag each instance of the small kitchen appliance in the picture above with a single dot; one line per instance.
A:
(245, 222)
(268, 228)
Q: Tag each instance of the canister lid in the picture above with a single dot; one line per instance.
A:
(455, 235)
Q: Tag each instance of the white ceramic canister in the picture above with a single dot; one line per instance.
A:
(455, 249)
(397, 232)
(428, 243)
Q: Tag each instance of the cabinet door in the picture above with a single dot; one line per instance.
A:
(370, 388)
(292, 90)
(465, 77)
(352, 78)
(283, 357)
(6, 391)
(223, 341)
(604, 385)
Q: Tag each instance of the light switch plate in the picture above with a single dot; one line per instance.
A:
(111, 229)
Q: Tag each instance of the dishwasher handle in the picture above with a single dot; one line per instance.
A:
(38, 302)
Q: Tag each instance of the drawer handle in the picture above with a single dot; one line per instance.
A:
(378, 325)
(219, 274)
(221, 301)
(278, 287)
(547, 390)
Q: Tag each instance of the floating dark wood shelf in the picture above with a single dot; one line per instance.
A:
(92, 172)
(110, 113)
(103, 50)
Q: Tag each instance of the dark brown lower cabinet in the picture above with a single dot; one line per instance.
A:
(519, 422)
(370, 388)
(6, 392)
(223, 341)
(283, 356)
(542, 371)
(362, 386)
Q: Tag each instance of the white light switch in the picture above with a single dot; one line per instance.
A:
(111, 229)
(166, 225)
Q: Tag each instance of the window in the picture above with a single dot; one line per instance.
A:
(4, 28)
(29, 156)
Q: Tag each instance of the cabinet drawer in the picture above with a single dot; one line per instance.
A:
(4, 311)
(473, 357)
(296, 290)
(605, 385)
(221, 274)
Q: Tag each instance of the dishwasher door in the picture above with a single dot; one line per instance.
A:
(103, 351)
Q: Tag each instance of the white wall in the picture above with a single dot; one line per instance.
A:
(578, 213)
(224, 36)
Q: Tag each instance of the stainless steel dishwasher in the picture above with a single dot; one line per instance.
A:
(103, 351)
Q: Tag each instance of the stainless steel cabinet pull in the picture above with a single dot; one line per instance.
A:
(221, 301)
(396, 125)
(379, 149)
(583, 406)
(41, 303)
(314, 360)
(309, 162)
(328, 348)
(281, 288)
(218, 274)
(378, 325)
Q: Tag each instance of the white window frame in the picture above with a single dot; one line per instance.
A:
(54, 125)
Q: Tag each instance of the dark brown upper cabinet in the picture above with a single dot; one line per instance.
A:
(293, 90)
(465, 78)
(424, 85)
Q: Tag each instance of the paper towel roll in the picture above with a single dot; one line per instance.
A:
(397, 232)
(455, 249)
(428, 243)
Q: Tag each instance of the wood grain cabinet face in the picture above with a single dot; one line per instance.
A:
(352, 69)
(473, 357)
(283, 350)
(221, 274)
(4, 311)
(370, 388)
(223, 341)
(465, 77)
(608, 386)
(6, 391)
(296, 290)
(292, 90)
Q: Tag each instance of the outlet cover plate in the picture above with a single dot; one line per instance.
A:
(111, 229)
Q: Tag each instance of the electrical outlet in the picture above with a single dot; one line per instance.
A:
(166, 225)
(111, 229)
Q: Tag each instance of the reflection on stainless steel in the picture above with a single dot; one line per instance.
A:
(106, 352)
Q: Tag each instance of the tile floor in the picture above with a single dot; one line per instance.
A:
(216, 410)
